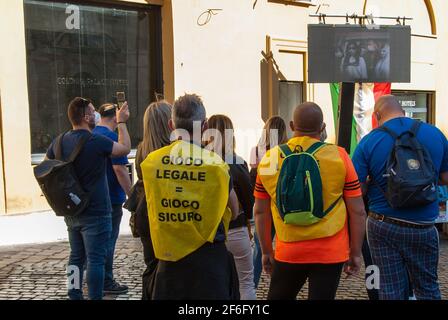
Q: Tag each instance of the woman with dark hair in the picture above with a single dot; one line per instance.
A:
(238, 238)
(353, 65)
(274, 133)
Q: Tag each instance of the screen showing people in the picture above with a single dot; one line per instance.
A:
(358, 58)
(359, 54)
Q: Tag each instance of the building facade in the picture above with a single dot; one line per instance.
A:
(247, 59)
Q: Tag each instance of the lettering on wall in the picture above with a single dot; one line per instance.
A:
(90, 82)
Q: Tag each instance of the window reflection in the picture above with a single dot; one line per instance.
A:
(113, 50)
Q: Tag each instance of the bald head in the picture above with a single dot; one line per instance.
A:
(387, 107)
(308, 119)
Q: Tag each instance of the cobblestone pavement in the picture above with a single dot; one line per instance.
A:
(37, 272)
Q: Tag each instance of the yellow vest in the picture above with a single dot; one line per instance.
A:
(333, 174)
(187, 190)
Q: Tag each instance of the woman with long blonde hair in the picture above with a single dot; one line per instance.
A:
(156, 132)
(222, 141)
(156, 135)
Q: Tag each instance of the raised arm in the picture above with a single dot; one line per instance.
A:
(123, 146)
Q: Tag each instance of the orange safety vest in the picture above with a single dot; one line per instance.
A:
(333, 174)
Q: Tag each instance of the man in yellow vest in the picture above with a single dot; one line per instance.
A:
(190, 204)
(310, 245)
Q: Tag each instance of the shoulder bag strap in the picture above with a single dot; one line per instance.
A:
(415, 127)
(57, 147)
(315, 147)
(387, 130)
(79, 147)
(284, 148)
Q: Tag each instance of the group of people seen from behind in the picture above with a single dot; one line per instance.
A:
(210, 223)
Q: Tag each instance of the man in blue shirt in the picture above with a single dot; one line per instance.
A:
(402, 241)
(119, 184)
(89, 232)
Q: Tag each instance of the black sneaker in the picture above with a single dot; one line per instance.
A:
(116, 288)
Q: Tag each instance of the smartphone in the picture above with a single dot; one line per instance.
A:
(121, 98)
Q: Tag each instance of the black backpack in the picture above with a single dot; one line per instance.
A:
(410, 174)
(59, 183)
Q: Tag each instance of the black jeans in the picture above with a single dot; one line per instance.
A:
(288, 279)
(209, 273)
(142, 225)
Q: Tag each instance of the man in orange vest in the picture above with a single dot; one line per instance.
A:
(319, 251)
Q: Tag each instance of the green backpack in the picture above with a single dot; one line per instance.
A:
(299, 187)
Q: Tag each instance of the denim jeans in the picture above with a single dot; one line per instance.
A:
(117, 214)
(88, 237)
(402, 252)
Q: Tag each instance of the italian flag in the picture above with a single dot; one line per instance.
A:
(366, 94)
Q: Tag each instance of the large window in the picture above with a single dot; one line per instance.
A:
(89, 51)
(417, 104)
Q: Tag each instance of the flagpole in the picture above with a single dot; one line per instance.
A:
(345, 119)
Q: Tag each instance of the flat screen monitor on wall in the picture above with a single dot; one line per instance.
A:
(348, 53)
